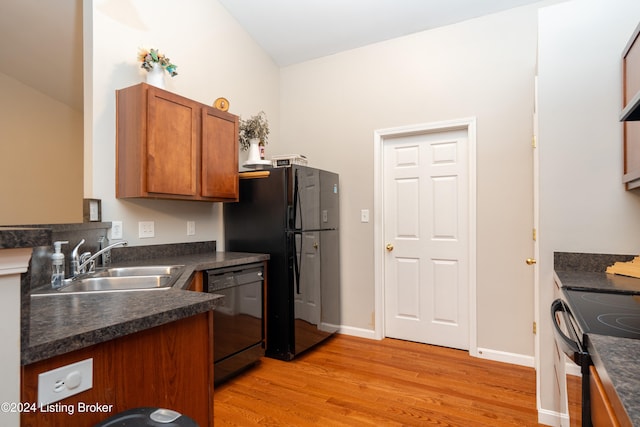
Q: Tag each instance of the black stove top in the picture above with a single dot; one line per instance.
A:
(601, 313)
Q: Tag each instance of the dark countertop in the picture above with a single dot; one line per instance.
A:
(616, 359)
(21, 237)
(62, 323)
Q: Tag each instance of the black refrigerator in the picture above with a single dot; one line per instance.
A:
(292, 214)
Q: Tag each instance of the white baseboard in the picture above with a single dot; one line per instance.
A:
(482, 353)
(503, 356)
(552, 418)
(358, 332)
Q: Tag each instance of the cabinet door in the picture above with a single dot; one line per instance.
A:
(219, 154)
(602, 414)
(172, 144)
(631, 88)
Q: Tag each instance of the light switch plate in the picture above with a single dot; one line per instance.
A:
(65, 381)
(191, 228)
(116, 230)
(364, 215)
(146, 229)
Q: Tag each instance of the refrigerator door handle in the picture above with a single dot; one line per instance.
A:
(296, 261)
(296, 203)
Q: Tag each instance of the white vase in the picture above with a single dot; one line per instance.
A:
(155, 76)
(254, 151)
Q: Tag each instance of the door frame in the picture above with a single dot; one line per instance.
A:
(380, 135)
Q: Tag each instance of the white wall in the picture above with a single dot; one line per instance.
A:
(215, 57)
(583, 204)
(484, 68)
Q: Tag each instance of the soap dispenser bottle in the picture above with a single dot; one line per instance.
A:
(57, 265)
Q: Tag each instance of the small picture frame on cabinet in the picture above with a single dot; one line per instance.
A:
(92, 210)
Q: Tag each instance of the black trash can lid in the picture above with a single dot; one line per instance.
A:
(148, 417)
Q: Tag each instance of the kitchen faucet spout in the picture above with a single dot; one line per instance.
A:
(90, 260)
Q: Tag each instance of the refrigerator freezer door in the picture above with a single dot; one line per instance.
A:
(305, 200)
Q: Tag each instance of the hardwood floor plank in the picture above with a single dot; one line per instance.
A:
(351, 381)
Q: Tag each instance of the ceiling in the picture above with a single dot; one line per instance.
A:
(293, 31)
(41, 41)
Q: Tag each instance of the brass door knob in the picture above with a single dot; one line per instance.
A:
(315, 245)
(389, 247)
(530, 261)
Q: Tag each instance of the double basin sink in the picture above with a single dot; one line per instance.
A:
(120, 279)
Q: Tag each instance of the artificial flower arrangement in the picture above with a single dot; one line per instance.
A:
(153, 56)
(255, 127)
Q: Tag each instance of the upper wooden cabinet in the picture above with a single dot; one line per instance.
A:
(631, 111)
(171, 147)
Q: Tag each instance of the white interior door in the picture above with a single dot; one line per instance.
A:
(426, 234)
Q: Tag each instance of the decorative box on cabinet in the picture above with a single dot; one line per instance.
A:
(631, 111)
(171, 147)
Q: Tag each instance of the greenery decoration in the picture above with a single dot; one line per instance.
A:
(153, 56)
(254, 127)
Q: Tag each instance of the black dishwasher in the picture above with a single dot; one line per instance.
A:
(238, 327)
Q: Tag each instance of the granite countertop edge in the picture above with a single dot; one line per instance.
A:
(56, 346)
(70, 322)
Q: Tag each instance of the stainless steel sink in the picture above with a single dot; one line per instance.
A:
(147, 270)
(120, 279)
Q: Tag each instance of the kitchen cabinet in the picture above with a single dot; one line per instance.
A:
(602, 412)
(631, 111)
(171, 147)
(168, 366)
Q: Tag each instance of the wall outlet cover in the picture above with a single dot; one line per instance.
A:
(65, 381)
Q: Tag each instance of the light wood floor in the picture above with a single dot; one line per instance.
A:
(351, 381)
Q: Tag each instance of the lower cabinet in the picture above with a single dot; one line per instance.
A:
(168, 366)
(602, 413)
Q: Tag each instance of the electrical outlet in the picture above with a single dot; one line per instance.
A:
(146, 229)
(116, 230)
(66, 381)
(191, 228)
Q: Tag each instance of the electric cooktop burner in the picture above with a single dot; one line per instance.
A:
(606, 313)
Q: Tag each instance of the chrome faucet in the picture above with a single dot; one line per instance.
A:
(79, 263)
